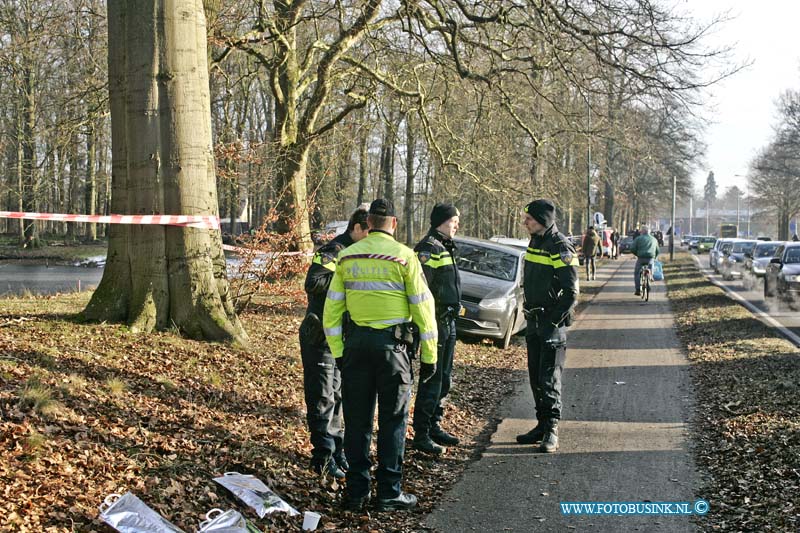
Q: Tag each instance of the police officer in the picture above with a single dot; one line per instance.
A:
(380, 283)
(321, 378)
(551, 292)
(436, 252)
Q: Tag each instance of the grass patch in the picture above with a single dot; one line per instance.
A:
(115, 386)
(747, 381)
(37, 397)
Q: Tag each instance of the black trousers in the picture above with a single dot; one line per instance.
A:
(428, 409)
(375, 368)
(323, 396)
(546, 357)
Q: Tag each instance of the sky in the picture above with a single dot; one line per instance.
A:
(742, 108)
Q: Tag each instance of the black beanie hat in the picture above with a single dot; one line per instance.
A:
(442, 213)
(382, 208)
(543, 211)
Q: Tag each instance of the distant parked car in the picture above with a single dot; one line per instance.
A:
(625, 244)
(782, 278)
(331, 230)
(731, 264)
(755, 263)
(705, 243)
(686, 239)
(491, 287)
(721, 246)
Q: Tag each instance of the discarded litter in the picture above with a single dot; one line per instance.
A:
(230, 521)
(619, 383)
(255, 493)
(310, 520)
(129, 514)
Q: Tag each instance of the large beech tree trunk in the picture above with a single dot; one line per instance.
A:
(162, 163)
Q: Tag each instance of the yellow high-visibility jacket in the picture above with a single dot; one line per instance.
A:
(380, 283)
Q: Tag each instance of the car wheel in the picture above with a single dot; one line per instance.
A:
(505, 342)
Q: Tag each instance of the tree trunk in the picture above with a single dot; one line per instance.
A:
(608, 206)
(363, 167)
(30, 234)
(162, 163)
(90, 194)
(411, 148)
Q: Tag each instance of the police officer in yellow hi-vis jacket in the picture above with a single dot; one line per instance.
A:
(379, 282)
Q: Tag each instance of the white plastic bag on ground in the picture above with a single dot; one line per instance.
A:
(129, 514)
(254, 493)
(230, 521)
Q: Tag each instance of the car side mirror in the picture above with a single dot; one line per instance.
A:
(775, 260)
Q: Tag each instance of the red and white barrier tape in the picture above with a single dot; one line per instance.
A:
(190, 221)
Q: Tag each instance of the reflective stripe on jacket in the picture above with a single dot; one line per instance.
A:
(380, 283)
(551, 276)
(320, 273)
(436, 253)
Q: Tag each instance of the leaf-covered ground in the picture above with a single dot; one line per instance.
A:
(91, 409)
(747, 422)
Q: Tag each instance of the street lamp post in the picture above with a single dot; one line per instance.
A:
(588, 164)
(738, 197)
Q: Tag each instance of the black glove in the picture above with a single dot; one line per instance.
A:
(339, 362)
(312, 327)
(426, 371)
(546, 329)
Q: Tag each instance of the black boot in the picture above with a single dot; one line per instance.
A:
(341, 461)
(326, 466)
(440, 436)
(424, 443)
(550, 438)
(401, 503)
(534, 436)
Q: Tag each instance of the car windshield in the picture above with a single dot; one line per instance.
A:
(792, 255)
(708, 240)
(741, 247)
(487, 261)
(766, 250)
(726, 246)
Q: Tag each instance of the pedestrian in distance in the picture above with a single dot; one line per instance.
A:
(321, 378)
(380, 283)
(615, 244)
(645, 248)
(436, 252)
(589, 248)
(551, 292)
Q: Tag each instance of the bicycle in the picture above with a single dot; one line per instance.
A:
(645, 277)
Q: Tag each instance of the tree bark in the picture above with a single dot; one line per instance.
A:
(411, 148)
(158, 277)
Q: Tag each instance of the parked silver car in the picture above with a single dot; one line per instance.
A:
(731, 263)
(782, 278)
(755, 263)
(491, 287)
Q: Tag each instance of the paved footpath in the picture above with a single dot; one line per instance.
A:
(627, 401)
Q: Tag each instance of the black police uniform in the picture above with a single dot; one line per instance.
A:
(437, 254)
(551, 292)
(321, 378)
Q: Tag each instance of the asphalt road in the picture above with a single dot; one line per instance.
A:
(780, 314)
(16, 279)
(627, 402)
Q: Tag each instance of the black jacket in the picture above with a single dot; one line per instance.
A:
(551, 276)
(320, 273)
(437, 254)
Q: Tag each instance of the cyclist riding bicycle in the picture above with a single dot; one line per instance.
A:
(645, 248)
